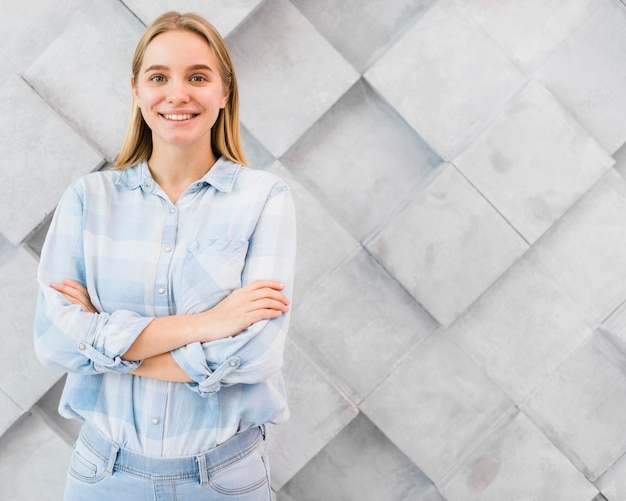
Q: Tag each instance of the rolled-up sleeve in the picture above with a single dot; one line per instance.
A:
(256, 353)
(65, 336)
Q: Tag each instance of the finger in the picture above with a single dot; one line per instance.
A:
(75, 285)
(270, 304)
(269, 294)
(261, 284)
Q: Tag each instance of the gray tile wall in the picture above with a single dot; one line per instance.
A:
(459, 330)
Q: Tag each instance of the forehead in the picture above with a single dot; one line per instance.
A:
(178, 47)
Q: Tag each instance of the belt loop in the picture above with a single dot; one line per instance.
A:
(112, 458)
(204, 475)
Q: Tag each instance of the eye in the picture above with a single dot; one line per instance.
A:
(198, 78)
(157, 78)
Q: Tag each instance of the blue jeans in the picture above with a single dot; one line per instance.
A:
(235, 470)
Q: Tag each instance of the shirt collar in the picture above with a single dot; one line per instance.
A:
(222, 176)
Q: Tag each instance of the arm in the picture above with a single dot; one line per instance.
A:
(235, 313)
(65, 336)
(257, 352)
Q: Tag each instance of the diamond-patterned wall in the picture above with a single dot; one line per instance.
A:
(459, 331)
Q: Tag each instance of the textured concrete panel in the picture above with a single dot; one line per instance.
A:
(22, 377)
(587, 73)
(358, 323)
(361, 155)
(33, 462)
(378, 25)
(584, 251)
(435, 405)
(613, 483)
(522, 328)
(322, 242)
(225, 15)
(38, 25)
(10, 413)
(533, 162)
(447, 246)
(42, 159)
(444, 67)
(360, 464)
(582, 406)
(518, 462)
(85, 73)
(318, 413)
(529, 31)
(288, 74)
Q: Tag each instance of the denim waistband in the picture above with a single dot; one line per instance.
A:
(198, 465)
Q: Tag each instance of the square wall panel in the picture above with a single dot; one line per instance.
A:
(522, 328)
(533, 162)
(288, 74)
(587, 73)
(529, 31)
(582, 406)
(22, 377)
(225, 15)
(446, 77)
(42, 159)
(447, 246)
(584, 250)
(34, 462)
(613, 483)
(85, 73)
(378, 24)
(518, 462)
(369, 324)
(359, 464)
(322, 242)
(318, 413)
(436, 405)
(361, 160)
(9, 412)
(27, 27)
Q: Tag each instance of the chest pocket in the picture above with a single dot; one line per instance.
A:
(212, 270)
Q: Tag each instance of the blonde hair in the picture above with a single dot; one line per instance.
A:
(225, 134)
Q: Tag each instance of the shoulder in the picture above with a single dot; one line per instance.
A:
(262, 181)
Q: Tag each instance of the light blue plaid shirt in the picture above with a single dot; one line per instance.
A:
(142, 257)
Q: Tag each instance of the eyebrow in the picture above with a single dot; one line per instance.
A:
(195, 67)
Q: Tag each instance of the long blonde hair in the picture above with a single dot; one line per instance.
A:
(225, 134)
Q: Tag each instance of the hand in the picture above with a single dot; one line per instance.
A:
(259, 300)
(75, 293)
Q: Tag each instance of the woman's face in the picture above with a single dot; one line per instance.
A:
(179, 89)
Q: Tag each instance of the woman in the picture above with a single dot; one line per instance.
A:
(165, 286)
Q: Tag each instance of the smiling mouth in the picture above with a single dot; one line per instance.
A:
(178, 118)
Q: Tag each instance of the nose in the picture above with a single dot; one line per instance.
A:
(177, 91)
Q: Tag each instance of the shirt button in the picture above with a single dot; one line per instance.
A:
(167, 248)
(232, 363)
(82, 346)
(161, 290)
(172, 210)
(199, 185)
(155, 420)
(147, 186)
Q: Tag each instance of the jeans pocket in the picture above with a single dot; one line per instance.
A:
(243, 474)
(87, 465)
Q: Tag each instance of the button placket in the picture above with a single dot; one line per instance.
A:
(168, 242)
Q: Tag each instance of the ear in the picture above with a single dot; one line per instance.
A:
(134, 89)
(225, 97)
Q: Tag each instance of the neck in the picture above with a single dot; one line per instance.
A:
(174, 168)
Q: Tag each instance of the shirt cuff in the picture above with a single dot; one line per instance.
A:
(104, 363)
(191, 359)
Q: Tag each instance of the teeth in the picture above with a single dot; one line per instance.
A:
(179, 117)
